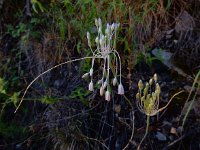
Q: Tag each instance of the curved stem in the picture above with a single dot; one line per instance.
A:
(146, 132)
(78, 59)
(116, 62)
(161, 109)
(120, 66)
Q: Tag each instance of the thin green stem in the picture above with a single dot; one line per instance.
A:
(147, 128)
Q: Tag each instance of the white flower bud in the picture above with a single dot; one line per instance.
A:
(107, 31)
(101, 91)
(85, 75)
(100, 23)
(91, 86)
(100, 30)
(96, 22)
(107, 95)
(107, 25)
(120, 89)
(91, 71)
(112, 26)
(88, 35)
(115, 81)
(105, 84)
(97, 40)
(101, 41)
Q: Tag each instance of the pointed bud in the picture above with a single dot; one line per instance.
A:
(97, 40)
(137, 96)
(150, 82)
(88, 37)
(112, 26)
(140, 85)
(100, 30)
(120, 89)
(143, 98)
(91, 71)
(91, 86)
(107, 95)
(153, 96)
(100, 23)
(155, 77)
(101, 41)
(85, 75)
(101, 91)
(158, 88)
(96, 22)
(115, 81)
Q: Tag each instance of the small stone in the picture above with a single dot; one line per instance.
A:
(117, 108)
(160, 136)
(173, 131)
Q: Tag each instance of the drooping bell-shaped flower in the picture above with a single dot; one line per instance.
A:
(91, 86)
(107, 95)
(120, 89)
(115, 81)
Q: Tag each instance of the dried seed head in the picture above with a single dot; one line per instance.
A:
(115, 81)
(85, 75)
(140, 85)
(91, 71)
(101, 91)
(107, 95)
(155, 77)
(120, 89)
(91, 86)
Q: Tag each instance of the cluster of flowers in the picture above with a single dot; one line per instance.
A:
(147, 99)
(106, 50)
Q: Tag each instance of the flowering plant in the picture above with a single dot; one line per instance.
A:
(105, 49)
